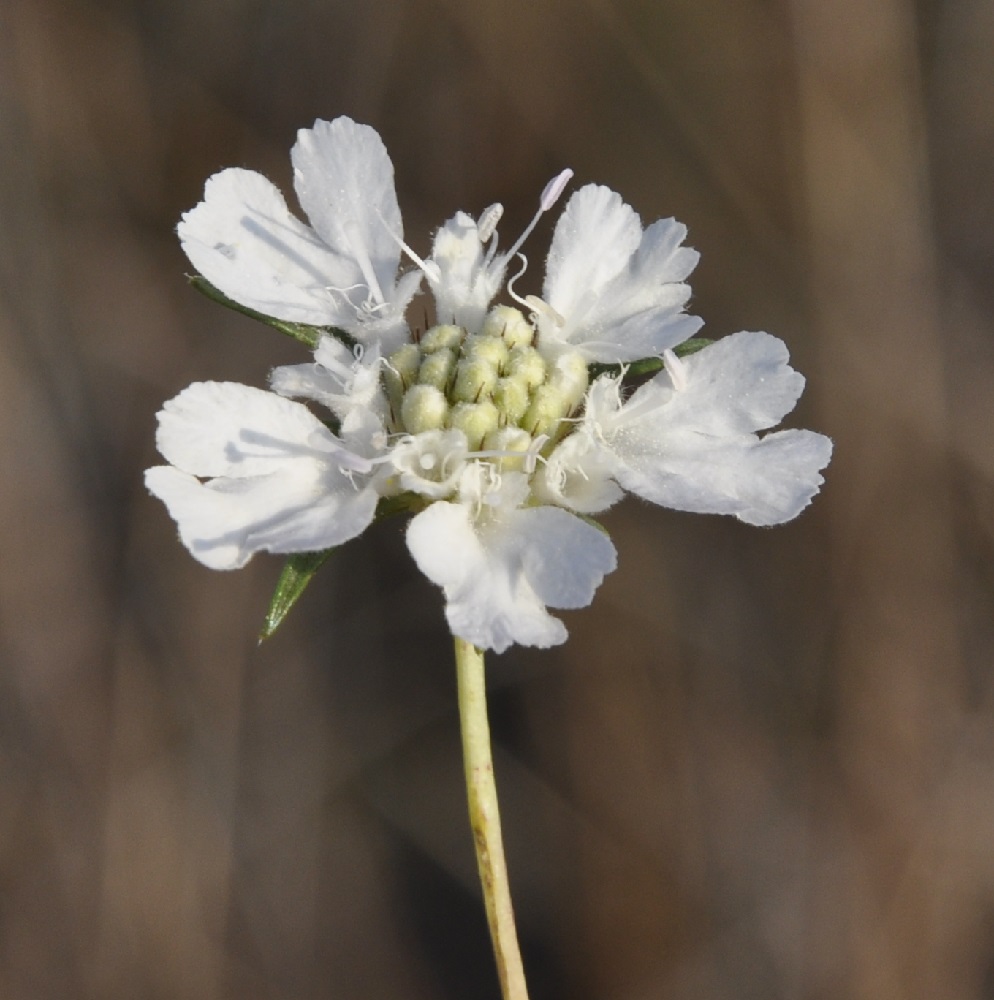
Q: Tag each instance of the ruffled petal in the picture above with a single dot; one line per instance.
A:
(617, 294)
(345, 183)
(228, 429)
(498, 580)
(594, 238)
(243, 239)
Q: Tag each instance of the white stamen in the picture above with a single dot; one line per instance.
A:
(362, 259)
(428, 267)
(486, 225)
(676, 370)
(533, 456)
(549, 197)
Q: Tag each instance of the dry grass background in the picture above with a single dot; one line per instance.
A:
(763, 765)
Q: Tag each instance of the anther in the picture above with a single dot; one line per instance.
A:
(486, 225)
(554, 189)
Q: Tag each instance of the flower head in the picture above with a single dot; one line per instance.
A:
(487, 426)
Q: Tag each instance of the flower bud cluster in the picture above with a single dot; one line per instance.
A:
(493, 385)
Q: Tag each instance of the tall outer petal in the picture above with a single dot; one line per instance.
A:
(281, 481)
(344, 180)
(619, 292)
(245, 241)
(499, 578)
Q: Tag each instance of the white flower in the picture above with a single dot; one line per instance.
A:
(485, 426)
(343, 271)
(687, 439)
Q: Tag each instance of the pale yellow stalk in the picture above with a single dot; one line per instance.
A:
(484, 819)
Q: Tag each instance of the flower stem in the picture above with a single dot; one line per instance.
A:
(484, 818)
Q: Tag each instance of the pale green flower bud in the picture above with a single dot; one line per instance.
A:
(526, 363)
(424, 409)
(512, 397)
(475, 420)
(437, 368)
(490, 349)
(509, 439)
(569, 375)
(399, 372)
(547, 408)
(510, 325)
(474, 380)
(438, 337)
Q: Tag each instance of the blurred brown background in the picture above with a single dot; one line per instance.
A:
(763, 765)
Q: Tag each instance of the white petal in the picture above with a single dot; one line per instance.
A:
(228, 429)
(243, 239)
(594, 238)
(305, 506)
(338, 380)
(497, 581)
(564, 559)
(620, 292)
(344, 181)
(761, 481)
(578, 475)
(736, 385)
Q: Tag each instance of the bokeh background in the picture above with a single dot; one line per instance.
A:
(763, 765)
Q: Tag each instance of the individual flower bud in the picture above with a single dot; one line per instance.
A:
(437, 368)
(399, 372)
(511, 397)
(569, 376)
(490, 349)
(474, 380)
(514, 442)
(438, 337)
(475, 420)
(424, 409)
(510, 325)
(526, 363)
(548, 406)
